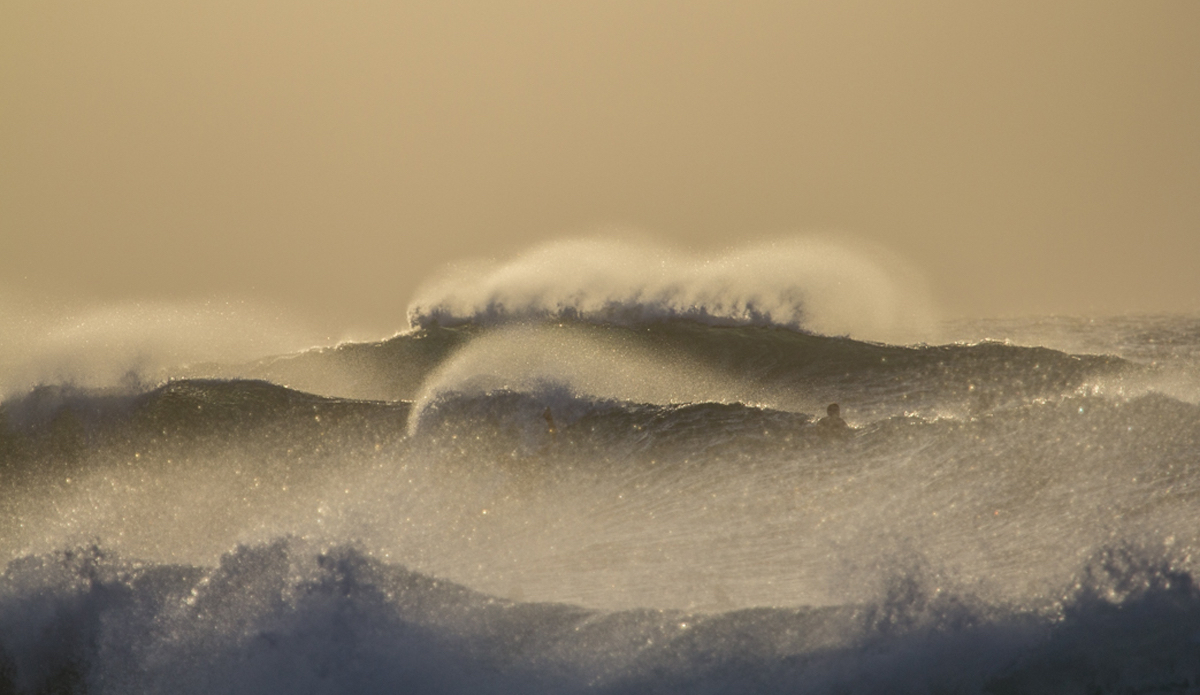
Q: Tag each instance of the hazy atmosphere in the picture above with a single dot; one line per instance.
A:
(320, 161)
(599, 348)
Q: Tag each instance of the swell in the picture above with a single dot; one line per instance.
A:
(65, 425)
(1004, 400)
(681, 504)
(53, 431)
(1038, 457)
(773, 360)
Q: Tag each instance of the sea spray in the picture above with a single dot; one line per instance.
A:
(565, 361)
(133, 344)
(569, 499)
(819, 284)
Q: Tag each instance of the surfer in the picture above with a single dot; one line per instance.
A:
(833, 423)
(549, 417)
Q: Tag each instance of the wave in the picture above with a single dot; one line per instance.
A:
(684, 361)
(190, 407)
(190, 413)
(576, 505)
(128, 345)
(57, 433)
(598, 468)
(821, 285)
(289, 616)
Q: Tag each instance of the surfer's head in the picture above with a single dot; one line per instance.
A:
(833, 410)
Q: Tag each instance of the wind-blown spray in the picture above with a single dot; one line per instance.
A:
(595, 468)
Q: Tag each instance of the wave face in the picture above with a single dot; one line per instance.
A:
(558, 502)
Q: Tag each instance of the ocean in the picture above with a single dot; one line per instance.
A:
(613, 500)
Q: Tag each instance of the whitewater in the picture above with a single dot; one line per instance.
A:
(597, 467)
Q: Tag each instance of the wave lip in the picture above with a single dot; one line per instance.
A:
(809, 284)
(622, 312)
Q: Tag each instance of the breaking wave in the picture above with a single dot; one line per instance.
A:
(819, 285)
(602, 468)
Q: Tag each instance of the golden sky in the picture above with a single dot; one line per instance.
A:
(1025, 156)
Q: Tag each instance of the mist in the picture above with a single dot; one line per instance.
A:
(1025, 158)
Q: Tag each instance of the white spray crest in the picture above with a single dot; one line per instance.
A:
(128, 343)
(832, 287)
(568, 367)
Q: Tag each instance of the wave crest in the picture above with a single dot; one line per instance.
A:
(811, 284)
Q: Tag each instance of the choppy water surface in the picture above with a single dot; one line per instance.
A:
(617, 501)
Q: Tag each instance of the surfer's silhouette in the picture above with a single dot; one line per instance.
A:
(832, 423)
(549, 421)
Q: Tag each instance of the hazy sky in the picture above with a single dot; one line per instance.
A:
(1027, 157)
